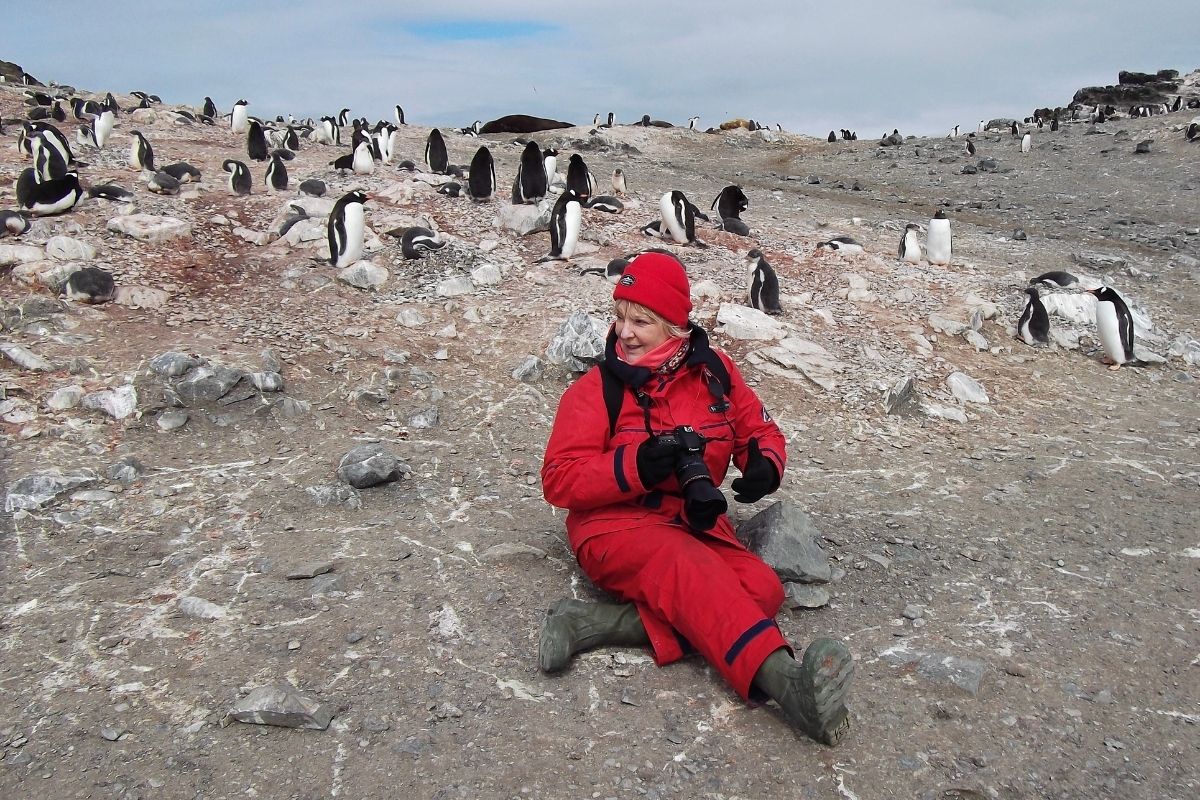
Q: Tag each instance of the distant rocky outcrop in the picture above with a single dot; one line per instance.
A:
(1132, 88)
(12, 73)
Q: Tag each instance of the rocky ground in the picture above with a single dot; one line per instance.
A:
(1015, 571)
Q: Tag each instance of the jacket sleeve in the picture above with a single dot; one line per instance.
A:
(581, 469)
(752, 420)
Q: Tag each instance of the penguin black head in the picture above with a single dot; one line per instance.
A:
(754, 254)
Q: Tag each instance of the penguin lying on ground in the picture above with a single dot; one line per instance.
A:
(842, 244)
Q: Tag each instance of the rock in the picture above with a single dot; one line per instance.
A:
(943, 412)
(976, 340)
(206, 385)
(486, 275)
(11, 254)
(172, 364)
(370, 465)
(946, 325)
(899, 397)
(52, 275)
(512, 551)
(1143, 147)
(528, 371)
(1019, 235)
(118, 403)
(64, 248)
(960, 673)
(526, 219)
(199, 608)
(966, 389)
(454, 286)
(310, 570)
(339, 494)
(411, 318)
(423, 420)
(64, 398)
(1184, 347)
(281, 704)
(111, 733)
(810, 359)
(141, 297)
(913, 611)
(37, 490)
(784, 537)
(266, 381)
(172, 420)
(800, 595)
(364, 275)
(25, 358)
(742, 322)
(127, 470)
(579, 342)
(1100, 261)
(150, 228)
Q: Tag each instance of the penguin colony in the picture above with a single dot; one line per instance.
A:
(52, 186)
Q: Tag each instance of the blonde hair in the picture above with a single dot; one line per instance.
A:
(626, 307)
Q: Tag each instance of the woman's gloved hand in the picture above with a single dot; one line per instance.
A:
(656, 459)
(759, 478)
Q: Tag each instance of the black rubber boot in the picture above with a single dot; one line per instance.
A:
(574, 625)
(812, 692)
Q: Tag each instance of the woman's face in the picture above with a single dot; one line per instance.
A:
(639, 332)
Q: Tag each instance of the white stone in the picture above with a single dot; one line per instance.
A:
(448, 332)
(150, 228)
(16, 411)
(141, 297)
(976, 340)
(454, 287)
(706, 290)
(966, 389)
(20, 254)
(411, 318)
(64, 398)
(50, 274)
(118, 403)
(809, 358)
(199, 608)
(743, 322)
(488, 245)
(25, 358)
(64, 248)
(258, 238)
(944, 412)
(309, 230)
(486, 275)
(525, 219)
(364, 275)
(946, 325)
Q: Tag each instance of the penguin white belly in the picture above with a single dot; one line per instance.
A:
(135, 159)
(355, 227)
(573, 221)
(102, 128)
(551, 164)
(938, 243)
(1026, 143)
(57, 207)
(239, 119)
(670, 222)
(363, 163)
(1109, 327)
(912, 248)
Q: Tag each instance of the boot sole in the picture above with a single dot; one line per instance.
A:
(828, 667)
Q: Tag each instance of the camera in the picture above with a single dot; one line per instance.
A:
(703, 502)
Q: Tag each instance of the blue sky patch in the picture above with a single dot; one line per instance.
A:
(460, 30)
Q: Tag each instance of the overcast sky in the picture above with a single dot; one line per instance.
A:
(870, 66)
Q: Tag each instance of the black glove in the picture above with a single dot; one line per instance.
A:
(703, 516)
(656, 460)
(759, 478)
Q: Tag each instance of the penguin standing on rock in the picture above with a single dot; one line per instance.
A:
(346, 229)
(579, 179)
(239, 176)
(530, 184)
(481, 179)
(764, 283)
(435, 153)
(910, 244)
(1115, 325)
(1034, 325)
(277, 176)
(141, 154)
(566, 220)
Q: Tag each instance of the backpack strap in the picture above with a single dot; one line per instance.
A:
(614, 396)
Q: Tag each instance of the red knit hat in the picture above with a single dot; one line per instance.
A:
(658, 282)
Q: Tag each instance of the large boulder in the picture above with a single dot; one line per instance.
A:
(785, 538)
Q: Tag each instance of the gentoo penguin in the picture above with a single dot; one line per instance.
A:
(618, 182)
(550, 162)
(1192, 132)
(48, 162)
(566, 220)
(141, 154)
(1026, 143)
(910, 244)
(451, 189)
(110, 191)
(239, 176)
(970, 147)
(731, 202)
(13, 223)
(210, 108)
(596, 120)
(678, 218)
(182, 172)
(277, 176)
(653, 229)
(938, 245)
(361, 160)
(1015, 130)
(346, 228)
(435, 153)
(982, 127)
(399, 115)
(692, 123)
(256, 141)
(954, 133)
(343, 163)
(52, 136)
(90, 285)
(481, 178)
(343, 117)
(102, 127)
(24, 185)
(298, 215)
(85, 135)
(1056, 279)
(312, 187)
(163, 182)
(605, 203)
(842, 244)
(291, 140)
(530, 185)
(416, 241)
(1115, 325)
(579, 179)
(764, 283)
(831, 138)
(1054, 124)
(612, 272)
(239, 119)
(1034, 325)
(52, 197)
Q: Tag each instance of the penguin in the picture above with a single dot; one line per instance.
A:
(1034, 325)
(451, 189)
(530, 185)
(1178, 103)
(605, 203)
(343, 163)
(361, 160)
(331, 132)
(277, 176)
(910, 244)
(566, 220)
(1055, 280)
(435, 153)
(52, 136)
(982, 127)
(312, 188)
(970, 147)
(256, 141)
(24, 185)
(692, 121)
(678, 218)
(85, 135)
(209, 109)
(954, 133)
(346, 228)
(1026, 143)
(141, 154)
(831, 138)
(653, 229)
(239, 118)
(13, 223)
(1054, 124)
(163, 182)
(1115, 325)
(618, 182)
(298, 215)
(90, 285)
(734, 225)
(550, 162)
(239, 176)
(579, 179)
(48, 198)
(731, 202)
(415, 242)
(291, 140)
(1192, 132)
(764, 283)
(343, 117)
(182, 172)
(842, 244)
(481, 179)
(596, 120)
(102, 127)
(48, 162)
(1015, 130)
(110, 191)
(399, 115)
(938, 240)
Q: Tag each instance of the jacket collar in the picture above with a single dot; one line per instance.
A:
(636, 377)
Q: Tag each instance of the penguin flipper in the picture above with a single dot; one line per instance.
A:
(592, 271)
